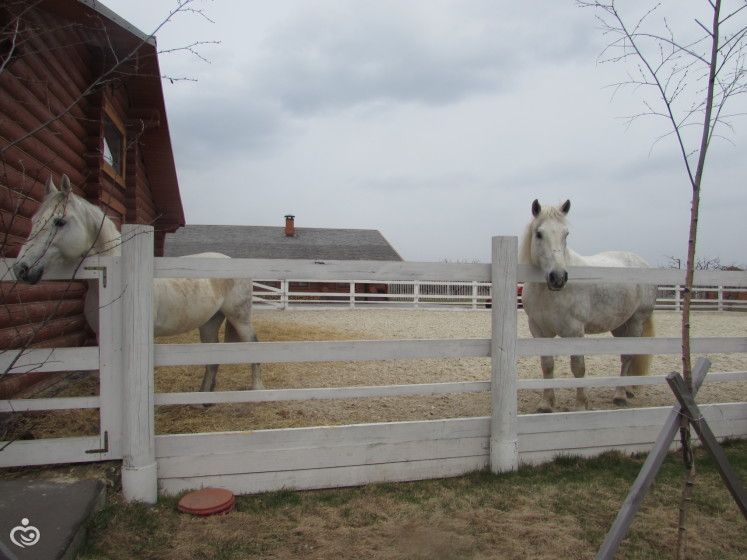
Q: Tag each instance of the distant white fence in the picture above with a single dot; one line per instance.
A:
(319, 457)
(278, 294)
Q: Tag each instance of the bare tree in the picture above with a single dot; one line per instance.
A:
(688, 82)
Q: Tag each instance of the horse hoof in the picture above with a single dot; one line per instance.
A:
(630, 394)
(620, 402)
(544, 410)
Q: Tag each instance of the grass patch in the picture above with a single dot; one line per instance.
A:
(268, 502)
(560, 510)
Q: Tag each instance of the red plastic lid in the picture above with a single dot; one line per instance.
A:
(208, 501)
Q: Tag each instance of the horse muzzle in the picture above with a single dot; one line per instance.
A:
(556, 280)
(26, 274)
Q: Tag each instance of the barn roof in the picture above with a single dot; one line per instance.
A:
(266, 242)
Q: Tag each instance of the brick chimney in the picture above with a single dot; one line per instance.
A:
(290, 226)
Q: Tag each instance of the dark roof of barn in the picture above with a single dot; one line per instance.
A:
(110, 32)
(266, 242)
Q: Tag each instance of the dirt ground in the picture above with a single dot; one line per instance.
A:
(272, 325)
(415, 324)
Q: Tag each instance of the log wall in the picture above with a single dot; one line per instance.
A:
(51, 123)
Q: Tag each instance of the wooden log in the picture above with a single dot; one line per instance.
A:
(31, 112)
(44, 143)
(11, 293)
(33, 155)
(13, 226)
(20, 314)
(31, 73)
(54, 52)
(23, 335)
(19, 195)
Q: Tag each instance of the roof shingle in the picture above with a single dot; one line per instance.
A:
(267, 242)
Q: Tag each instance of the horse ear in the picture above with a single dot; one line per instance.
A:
(66, 186)
(566, 207)
(51, 188)
(536, 208)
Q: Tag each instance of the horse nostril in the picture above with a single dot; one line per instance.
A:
(25, 273)
(556, 280)
(21, 270)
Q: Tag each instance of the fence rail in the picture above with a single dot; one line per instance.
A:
(279, 294)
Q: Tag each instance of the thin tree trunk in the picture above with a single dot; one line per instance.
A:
(688, 461)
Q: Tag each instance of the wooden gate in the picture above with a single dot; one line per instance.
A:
(102, 273)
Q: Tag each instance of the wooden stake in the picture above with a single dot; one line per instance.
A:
(699, 424)
(648, 472)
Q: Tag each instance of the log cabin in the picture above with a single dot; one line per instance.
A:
(80, 94)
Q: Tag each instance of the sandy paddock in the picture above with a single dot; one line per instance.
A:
(380, 324)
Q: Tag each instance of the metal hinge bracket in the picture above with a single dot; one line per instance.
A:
(104, 449)
(101, 269)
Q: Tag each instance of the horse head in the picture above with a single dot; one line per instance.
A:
(59, 234)
(548, 248)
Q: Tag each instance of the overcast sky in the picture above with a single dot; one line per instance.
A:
(435, 122)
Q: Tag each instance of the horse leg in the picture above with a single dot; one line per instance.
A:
(633, 327)
(209, 333)
(244, 332)
(548, 366)
(548, 395)
(578, 367)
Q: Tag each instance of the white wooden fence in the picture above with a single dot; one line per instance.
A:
(326, 456)
(433, 294)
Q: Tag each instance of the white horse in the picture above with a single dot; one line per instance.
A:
(67, 228)
(557, 309)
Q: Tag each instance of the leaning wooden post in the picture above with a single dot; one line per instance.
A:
(139, 480)
(504, 447)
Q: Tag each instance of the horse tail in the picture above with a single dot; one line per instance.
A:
(642, 362)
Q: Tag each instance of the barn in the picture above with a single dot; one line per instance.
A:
(80, 94)
(288, 242)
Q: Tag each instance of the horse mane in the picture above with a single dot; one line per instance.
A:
(546, 213)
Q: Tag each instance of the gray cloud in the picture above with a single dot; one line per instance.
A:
(326, 58)
(224, 125)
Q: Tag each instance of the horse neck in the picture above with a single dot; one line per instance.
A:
(107, 237)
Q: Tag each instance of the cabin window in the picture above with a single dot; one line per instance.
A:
(113, 146)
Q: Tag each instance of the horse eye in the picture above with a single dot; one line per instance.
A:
(59, 222)
(539, 235)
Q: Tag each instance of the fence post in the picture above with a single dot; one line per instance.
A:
(720, 298)
(677, 298)
(352, 294)
(139, 477)
(504, 445)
